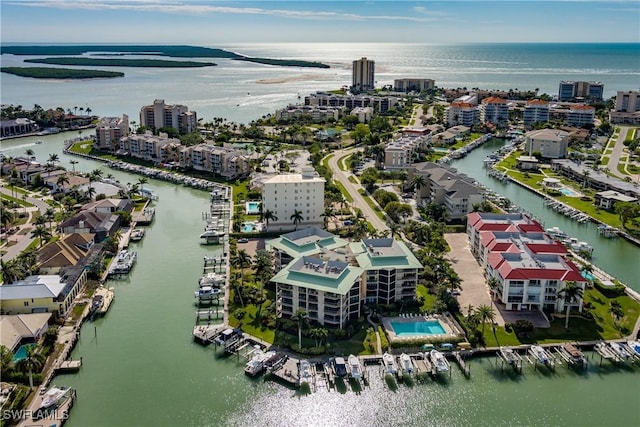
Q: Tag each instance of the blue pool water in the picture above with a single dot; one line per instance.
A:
(441, 149)
(21, 353)
(424, 327)
(253, 208)
(587, 275)
(569, 192)
(249, 228)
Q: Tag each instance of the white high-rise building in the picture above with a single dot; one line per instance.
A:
(363, 75)
(284, 195)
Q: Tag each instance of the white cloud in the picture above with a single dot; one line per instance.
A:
(196, 8)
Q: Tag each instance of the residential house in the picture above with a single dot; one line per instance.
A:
(68, 251)
(608, 199)
(19, 329)
(43, 293)
(101, 225)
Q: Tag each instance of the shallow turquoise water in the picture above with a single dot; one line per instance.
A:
(424, 327)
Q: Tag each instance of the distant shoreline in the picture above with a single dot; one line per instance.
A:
(59, 73)
(153, 63)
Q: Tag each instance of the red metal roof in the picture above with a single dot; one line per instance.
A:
(547, 248)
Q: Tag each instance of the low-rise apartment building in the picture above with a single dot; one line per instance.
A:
(147, 146)
(400, 153)
(535, 111)
(330, 279)
(580, 115)
(444, 186)
(627, 108)
(550, 143)
(380, 104)
(529, 267)
(418, 85)
(462, 113)
(316, 114)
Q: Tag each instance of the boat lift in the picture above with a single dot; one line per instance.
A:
(517, 366)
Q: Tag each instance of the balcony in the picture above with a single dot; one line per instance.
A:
(515, 299)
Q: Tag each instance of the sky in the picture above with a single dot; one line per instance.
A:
(211, 23)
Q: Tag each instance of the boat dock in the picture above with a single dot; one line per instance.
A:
(143, 217)
(464, 367)
(107, 297)
(68, 366)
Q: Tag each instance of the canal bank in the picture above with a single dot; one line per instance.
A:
(618, 257)
(141, 366)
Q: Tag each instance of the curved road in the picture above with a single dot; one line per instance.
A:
(352, 189)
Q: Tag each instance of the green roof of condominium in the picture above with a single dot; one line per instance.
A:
(375, 254)
(307, 241)
(322, 275)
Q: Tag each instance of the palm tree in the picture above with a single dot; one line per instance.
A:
(616, 310)
(50, 215)
(328, 213)
(570, 294)
(88, 111)
(242, 260)
(62, 180)
(394, 227)
(10, 271)
(41, 233)
(29, 152)
(296, 218)
(73, 165)
(301, 317)
(142, 181)
(418, 182)
(267, 216)
(33, 361)
(585, 177)
(485, 312)
(493, 284)
(53, 159)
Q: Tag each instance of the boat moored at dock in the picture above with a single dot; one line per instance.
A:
(390, 366)
(123, 263)
(406, 364)
(305, 375)
(439, 361)
(354, 367)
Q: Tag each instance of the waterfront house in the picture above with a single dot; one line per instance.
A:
(581, 172)
(527, 163)
(17, 127)
(75, 182)
(107, 206)
(68, 251)
(101, 225)
(43, 293)
(19, 329)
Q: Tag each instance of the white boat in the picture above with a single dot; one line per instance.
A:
(620, 350)
(53, 396)
(256, 364)
(508, 355)
(207, 292)
(123, 262)
(137, 234)
(389, 364)
(354, 367)
(304, 371)
(634, 346)
(439, 361)
(406, 364)
(540, 354)
(212, 279)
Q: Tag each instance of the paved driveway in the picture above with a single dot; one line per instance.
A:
(474, 290)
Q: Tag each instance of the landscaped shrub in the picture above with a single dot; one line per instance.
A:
(239, 313)
(609, 291)
(309, 351)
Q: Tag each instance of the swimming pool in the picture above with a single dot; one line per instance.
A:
(417, 328)
(253, 208)
(587, 275)
(251, 227)
(569, 192)
(21, 353)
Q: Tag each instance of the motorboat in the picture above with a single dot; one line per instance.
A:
(620, 350)
(439, 361)
(228, 337)
(38, 142)
(123, 262)
(389, 364)
(575, 356)
(53, 396)
(508, 355)
(340, 367)
(212, 279)
(304, 371)
(207, 292)
(406, 364)
(137, 234)
(96, 303)
(634, 346)
(540, 354)
(256, 364)
(354, 367)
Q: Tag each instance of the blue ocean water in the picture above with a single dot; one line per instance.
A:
(241, 91)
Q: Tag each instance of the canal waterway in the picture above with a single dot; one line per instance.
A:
(142, 368)
(616, 256)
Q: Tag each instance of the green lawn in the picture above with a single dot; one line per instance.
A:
(374, 206)
(342, 162)
(16, 200)
(622, 167)
(252, 323)
(429, 299)
(499, 337)
(344, 191)
(84, 147)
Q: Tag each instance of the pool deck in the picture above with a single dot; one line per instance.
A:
(450, 333)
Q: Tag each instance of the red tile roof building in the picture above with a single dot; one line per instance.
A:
(530, 267)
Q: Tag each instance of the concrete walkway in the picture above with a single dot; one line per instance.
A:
(618, 148)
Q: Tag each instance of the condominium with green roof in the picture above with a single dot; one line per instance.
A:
(330, 278)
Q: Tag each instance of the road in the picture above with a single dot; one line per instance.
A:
(614, 158)
(352, 189)
(23, 239)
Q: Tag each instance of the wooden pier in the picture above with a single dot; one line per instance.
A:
(68, 366)
(209, 314)
(205, 333)
(462, 364)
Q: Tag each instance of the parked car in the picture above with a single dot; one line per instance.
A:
(348, 222)
(243, 240)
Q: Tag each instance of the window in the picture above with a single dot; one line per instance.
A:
(26, 303)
